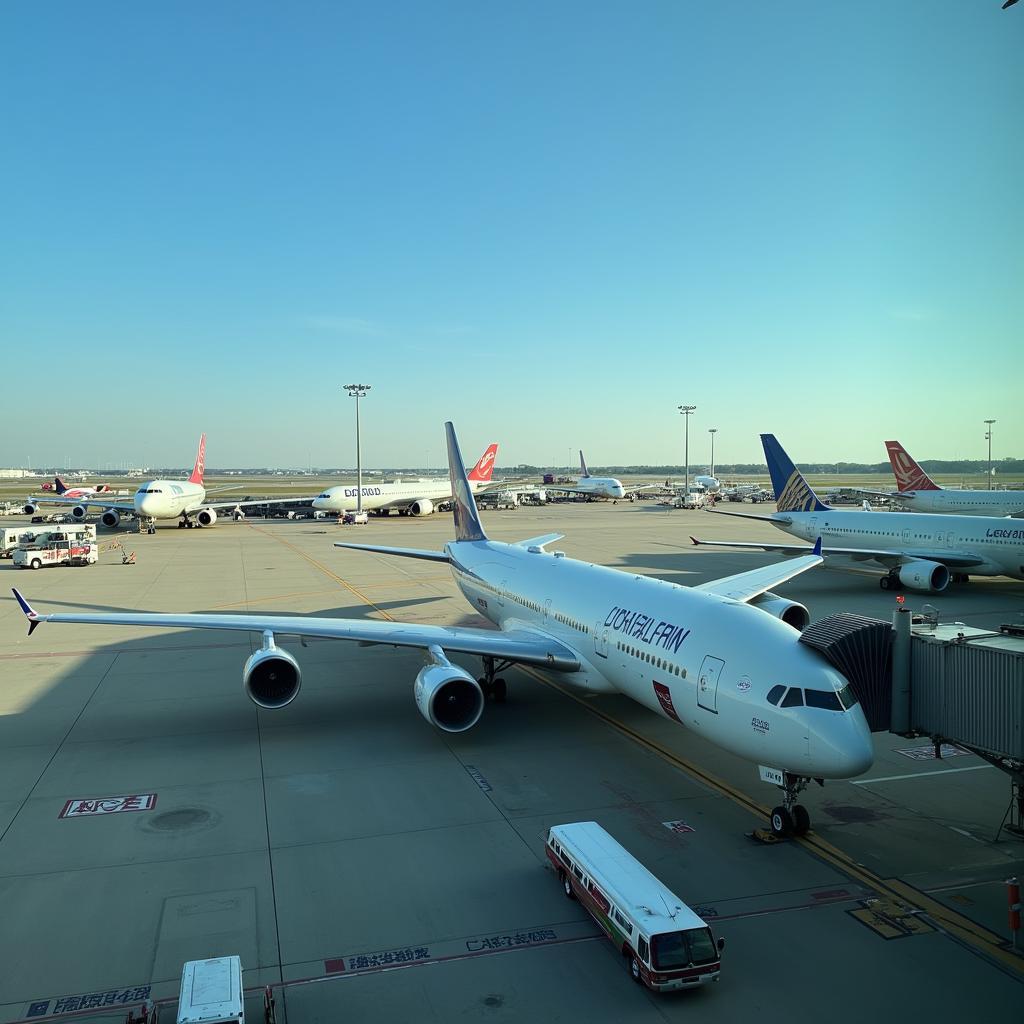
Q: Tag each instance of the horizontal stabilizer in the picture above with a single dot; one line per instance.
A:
(539, 542)
(429, 556)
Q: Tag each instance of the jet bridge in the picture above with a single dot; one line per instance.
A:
(951, 682)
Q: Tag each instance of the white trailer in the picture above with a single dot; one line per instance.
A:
(75, 545)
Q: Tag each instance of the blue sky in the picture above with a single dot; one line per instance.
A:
(550, 223)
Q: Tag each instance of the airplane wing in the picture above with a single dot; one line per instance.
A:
(885, 556)
(777, 518)
(745, 586)
(254, 501)
(95, 501)
(520, 645)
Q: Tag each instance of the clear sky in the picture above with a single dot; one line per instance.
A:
(552, 223)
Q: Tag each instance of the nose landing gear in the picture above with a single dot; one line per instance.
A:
(791, 818)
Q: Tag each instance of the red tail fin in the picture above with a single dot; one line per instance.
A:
(481, 472)
(909, 475)
(197, 470)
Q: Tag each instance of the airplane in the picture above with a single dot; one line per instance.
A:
(61, 490)
(410, 497)
(592, 486)
(717, 657)
(921, 552)
(920, 493)
(156, 499)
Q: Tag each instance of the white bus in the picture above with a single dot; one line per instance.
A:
(665, 944)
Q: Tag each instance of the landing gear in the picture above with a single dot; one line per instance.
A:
(959, 577)
(891, 581)
(147, 524)
(791, 818)
(494, 687)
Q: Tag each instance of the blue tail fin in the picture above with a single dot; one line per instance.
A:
(583, 465)
(58, 485)
(792, 492)
(467, 518)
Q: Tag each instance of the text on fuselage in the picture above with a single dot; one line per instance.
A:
(646, 628)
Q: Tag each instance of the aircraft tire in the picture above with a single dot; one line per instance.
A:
(782, 822)
(801, 820)
(885, 582)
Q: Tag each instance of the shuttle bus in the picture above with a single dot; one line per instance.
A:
(666, 946)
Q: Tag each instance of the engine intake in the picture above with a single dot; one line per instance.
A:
(271, 678)
(423, 507)
(791, 612)
(931, 577)
(30, 509)
(80, 512)
(448, 697)
(111, 518)
(206, 516)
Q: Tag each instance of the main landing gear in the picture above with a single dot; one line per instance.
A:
(495, 689)
(791, 818)
(185, 522)
(891, 581)
(147, 523)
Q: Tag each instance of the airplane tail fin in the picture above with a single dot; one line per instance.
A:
(792, 492)
(909, 475)
(467, 518)
(583, 465)
(481, 472)
(58, 485)
(200, 466)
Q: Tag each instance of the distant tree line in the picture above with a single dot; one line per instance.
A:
(943, 467)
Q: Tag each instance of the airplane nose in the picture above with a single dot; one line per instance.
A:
(857, 753)
(147, 505)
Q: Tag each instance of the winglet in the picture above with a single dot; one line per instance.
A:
(817, 547)
(30, 613)
(696, 543)
(467, 518)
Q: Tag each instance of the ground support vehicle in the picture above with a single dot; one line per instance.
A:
(56, 551)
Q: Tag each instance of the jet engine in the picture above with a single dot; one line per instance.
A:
(206, 516)
(30, 509)
(111, 518)
(932, 577)
(79, 512)
(448, 697)
(271, 678)
(423, 507)
(791, 612)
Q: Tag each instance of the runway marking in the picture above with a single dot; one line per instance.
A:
(327, 572)
(920, 775)
(970, 932)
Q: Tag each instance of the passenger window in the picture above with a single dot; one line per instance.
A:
(793, 699)
(775, 693)
(643, 950)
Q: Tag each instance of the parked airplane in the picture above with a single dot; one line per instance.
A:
(61, 490)
(156, 499)
(591, 486)
(918, 551)
(920, 493)
(410, 497)
(717, 657)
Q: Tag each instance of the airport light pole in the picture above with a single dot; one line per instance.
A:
(358, 391)
(687, 411)
(988, 437)
(712, 431)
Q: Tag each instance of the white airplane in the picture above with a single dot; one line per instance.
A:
(592, 486)
(921, 552)
(156, 499)
(717, 658)
(709, 483)
(61, 490)
(410, 497)
(918, 492)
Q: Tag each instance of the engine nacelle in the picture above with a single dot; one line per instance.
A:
(932, 577)
(449, 697)
(791, 612)
(30, 509)
(79, 512)
(271, 678)
(206, 516)
(111, 518)
(423, 507)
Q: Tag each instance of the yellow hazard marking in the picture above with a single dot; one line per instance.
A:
(892, 918)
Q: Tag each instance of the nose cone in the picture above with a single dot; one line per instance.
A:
(147, 504)
(323, 502)
(841, 744)
(619, 491)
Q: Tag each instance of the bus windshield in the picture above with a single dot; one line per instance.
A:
(671, 951)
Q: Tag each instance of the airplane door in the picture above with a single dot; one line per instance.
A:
(547, 609)
(812, 527)
(950, 540)
(501, 593)
(707, 683)
(600, 639)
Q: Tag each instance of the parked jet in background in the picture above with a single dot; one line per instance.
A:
(920, 493)
(710, 657)
(409, 497)
(158, 499)
(591, 486)
(918, 551)
(61, 490)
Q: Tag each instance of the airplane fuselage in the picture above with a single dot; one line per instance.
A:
(399, 494)
(963, 503)
(600, 487)
(168, 499)
(997, 542)
(676, 651)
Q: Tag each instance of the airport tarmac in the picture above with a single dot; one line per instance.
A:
(384, 871)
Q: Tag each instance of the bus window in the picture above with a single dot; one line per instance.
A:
(674, 950)
(578, 873)
(563, 857)
(644, 950)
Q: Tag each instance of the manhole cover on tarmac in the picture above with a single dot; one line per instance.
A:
(184, 819)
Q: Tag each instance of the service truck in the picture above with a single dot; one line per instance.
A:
(72, 546)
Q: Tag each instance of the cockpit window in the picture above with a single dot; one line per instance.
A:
(847, 697)
(326, 494)
(794, 698)
(775, 693)
(826, 699)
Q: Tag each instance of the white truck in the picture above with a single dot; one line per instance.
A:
(74, 545)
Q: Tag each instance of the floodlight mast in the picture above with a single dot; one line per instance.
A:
(358, 391)
(988, 437)
(687, 411)
(712, 431)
